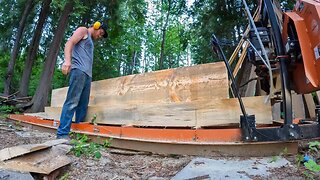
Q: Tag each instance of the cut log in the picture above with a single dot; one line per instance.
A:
(215, 112)
(186, 84)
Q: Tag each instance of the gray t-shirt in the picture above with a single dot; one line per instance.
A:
(82, 55)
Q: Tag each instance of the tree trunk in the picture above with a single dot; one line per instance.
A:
(40, 99)
(133, 64)
(164, 31)
(33, 49)
(15, 50)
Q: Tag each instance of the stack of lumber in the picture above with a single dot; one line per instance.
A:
(195, 96)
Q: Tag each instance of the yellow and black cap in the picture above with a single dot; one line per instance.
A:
(98, 25)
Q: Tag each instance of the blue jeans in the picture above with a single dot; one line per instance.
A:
(76, 102)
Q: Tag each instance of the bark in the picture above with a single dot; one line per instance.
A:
(33, 49)
(164, 31)
(40, 99)
(16, 47)
(133, 64)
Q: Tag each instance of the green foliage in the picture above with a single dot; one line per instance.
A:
(135, 34)
(4, 59)
(82, 146)
(65, 176)
(274, 159)
(312, 166)
(7, 109)
(299, 158)
(94, 119)
(284, 152)
(308, 175)
(313, 146)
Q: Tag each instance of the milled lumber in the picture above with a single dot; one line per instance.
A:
(199, 82)
(215, 112)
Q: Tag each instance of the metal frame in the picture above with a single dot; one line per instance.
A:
(288, 131)
(204, 142)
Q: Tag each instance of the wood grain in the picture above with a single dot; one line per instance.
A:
(186, 84)
(215, 112)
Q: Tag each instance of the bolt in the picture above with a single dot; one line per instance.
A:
(255, 138)
(291, 126)
(291, 134)
(247, 138)
(55, 123)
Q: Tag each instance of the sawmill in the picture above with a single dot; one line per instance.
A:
(264, 98)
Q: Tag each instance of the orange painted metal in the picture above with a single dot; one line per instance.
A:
(144, 134)
(306, 19)
(203, 142)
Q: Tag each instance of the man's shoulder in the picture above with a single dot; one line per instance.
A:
(80, 33)
(82, 30)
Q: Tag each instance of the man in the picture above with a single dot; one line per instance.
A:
(78, 54)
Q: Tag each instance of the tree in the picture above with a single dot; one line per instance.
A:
(40, 99)
(33, 49)
(172, 7)
(15, 50)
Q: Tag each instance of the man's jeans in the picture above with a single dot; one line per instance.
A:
(76, 102)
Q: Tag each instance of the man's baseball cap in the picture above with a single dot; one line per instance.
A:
(98, 25)
(105, 28)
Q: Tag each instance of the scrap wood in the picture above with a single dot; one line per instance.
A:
(42, 162)
(12, 175)
(13, 99)
(128, 152)
(9, 153)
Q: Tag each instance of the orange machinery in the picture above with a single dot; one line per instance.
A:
(293, 49)
(301, 37)
(289, 51)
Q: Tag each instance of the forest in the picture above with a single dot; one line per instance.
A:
(144, 36)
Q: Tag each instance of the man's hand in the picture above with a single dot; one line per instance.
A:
(66, 66)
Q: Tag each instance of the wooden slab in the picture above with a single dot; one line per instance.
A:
(43, 162)
(297, 106)
(227, 111)
(251, 87)
(9, 153)
(276, 111)
(318, 96)
(214, 112)
(200, 82)
(309, 105)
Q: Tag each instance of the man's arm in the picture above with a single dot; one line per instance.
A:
(79, 34)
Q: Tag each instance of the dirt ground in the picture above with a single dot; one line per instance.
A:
(119, 166)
